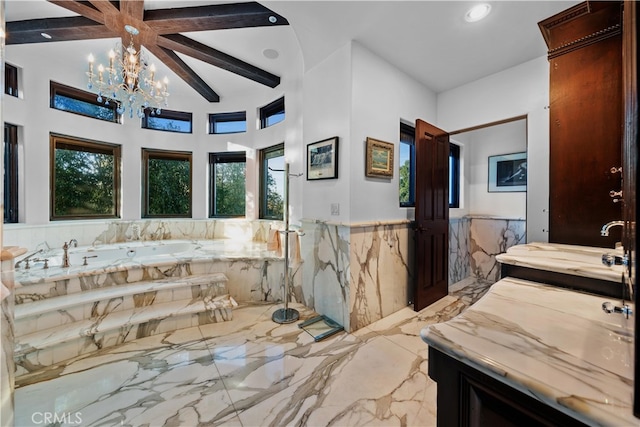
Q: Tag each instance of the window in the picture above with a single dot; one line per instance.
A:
(228, 122)
(10, 173)
(167, 120)
(272, 113)
(72, 100)
(272, 182)
(228, 184)
(166, 184)
(454, 175)
(407, 166)
(85, 178)
(10, 80)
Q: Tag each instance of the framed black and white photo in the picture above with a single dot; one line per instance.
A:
(508, 173)
(322, 159)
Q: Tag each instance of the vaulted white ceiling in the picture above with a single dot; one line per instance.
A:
(428, 40)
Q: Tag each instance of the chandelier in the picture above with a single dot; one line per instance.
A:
(129, 81)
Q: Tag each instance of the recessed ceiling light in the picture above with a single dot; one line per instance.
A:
(270, 53)
(477, 12)
(45, 35)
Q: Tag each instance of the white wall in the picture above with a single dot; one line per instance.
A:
(521, 90)
(506, 138)
(382, 96)
(327, 101)
(31, 112)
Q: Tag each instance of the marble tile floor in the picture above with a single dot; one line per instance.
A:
(250, 372)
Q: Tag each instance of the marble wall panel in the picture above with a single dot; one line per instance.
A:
(459, 256)
(381, 272)
(357, 274)
(7, 365)
(325, 249)
(489, 237)
(87, 233)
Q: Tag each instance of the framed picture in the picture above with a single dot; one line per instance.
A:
(322, 159)
(508, 172)
(379, 159)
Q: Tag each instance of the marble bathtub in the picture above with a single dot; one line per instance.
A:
(255, 273)
(112, 294)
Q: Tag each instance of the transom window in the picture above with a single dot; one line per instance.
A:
(228, 184)
(220, 123)
(10, 80)
(166, 185)
(72, 100)
(272, 113)
(85, 178)
(272, 182)
(168, 120)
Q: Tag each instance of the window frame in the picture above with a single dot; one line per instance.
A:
(454, 175)
(223, 158)
(264, 153)
(11, 83)
(270, 110)
(406, 131)
(56, 88)
(11, 211)
(97, 147)
(238, 116)
(183, 116)
(152, 153)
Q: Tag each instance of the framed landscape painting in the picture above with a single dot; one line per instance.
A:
(379, 159)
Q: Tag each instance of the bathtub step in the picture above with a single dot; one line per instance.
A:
(66, 301)
(50, 346)
(96, 303)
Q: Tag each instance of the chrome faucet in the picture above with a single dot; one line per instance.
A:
(609, 308)
(605, 228)
(27, 258)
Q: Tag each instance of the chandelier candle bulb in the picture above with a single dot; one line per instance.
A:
(131, 80)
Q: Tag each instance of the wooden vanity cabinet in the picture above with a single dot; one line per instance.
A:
(470, 398)
(585, 122)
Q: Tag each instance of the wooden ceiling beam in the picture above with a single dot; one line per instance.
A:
(197, 50)
(105, 6)
(83, 8)
(214, 17)
(60, 29)
(178, 66)
(133, 8)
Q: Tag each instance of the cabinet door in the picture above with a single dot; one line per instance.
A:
(585, 143)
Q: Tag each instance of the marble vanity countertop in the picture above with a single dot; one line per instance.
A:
(584, 261)
(553, 344)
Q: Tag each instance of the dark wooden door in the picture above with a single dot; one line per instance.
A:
(432, 215)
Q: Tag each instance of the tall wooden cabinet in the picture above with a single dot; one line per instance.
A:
(586, 118)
